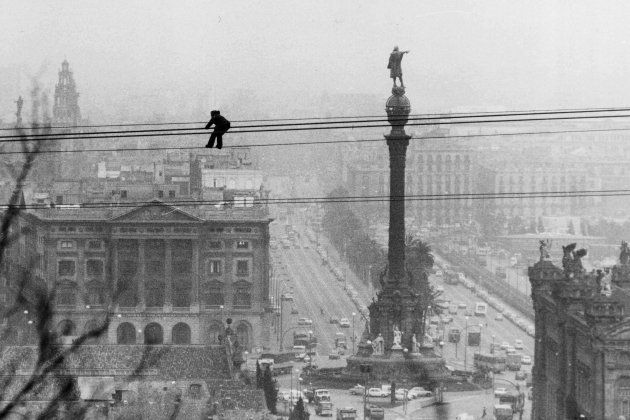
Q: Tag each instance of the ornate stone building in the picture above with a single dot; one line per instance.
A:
(435, 165)
(582, 346)
(165, 274)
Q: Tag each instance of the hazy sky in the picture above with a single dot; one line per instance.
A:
(464, 54)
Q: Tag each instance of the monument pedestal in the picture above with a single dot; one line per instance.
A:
(397, 353)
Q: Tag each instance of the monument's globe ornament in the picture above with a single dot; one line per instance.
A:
(398, 108)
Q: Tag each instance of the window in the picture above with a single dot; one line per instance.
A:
(171, 194)
(95, 245)
(95, 295)
(66, 297)
(242, 244)
(66, 244)
(215, 244)
(66, 328)
(153, 334)
(66, 268)
(160, 194)
(242, 297)
(123, 194)
(214, 266)
(59, 199)
(126, 334)
(181, 334)
(214, 296)
(242, 267)
(94, 268)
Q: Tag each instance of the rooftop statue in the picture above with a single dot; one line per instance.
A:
(544, 248)
(394, 65)
(572, 260)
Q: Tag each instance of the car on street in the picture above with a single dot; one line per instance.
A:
(526, 360)
(504, 345)
(287, 296)
(358, 389)
(435, 320)
(461, 305)
(520, 375)
(334, 320)
(518, 344)
(333, 355)
(499, 317)
(324, 408)
(344, 323)
(446, 318)
(377, 392)
(302, 321)
(308, 321)
(440, 289)
(498, 392)
(294, 311)
(470, 312)
(418, 391)
(300, 356)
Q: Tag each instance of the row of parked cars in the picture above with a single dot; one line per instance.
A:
(385, 391)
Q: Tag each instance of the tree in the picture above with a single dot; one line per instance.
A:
(259, 376)
(299, 412)
(271, 393)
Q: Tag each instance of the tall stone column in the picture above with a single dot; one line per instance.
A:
(194, 307)
(142, 273)
(168, 276)
(398, 108)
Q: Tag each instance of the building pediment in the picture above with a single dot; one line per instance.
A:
(156, 211)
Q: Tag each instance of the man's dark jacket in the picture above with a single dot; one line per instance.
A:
(220, 123)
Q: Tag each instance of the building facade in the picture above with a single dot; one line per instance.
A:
(164, 274)
(582, 345)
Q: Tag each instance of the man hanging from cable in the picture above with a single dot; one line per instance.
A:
(221, 126)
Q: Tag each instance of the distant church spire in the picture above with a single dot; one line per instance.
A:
(66, 110)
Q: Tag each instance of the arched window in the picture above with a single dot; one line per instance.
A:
(214, 331)
(126, 333)
(66, 328)
(181, 333)
(242, 333)
(66, 295)
(153, 334)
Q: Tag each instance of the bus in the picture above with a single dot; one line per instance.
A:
(485, 362)
(481, 309)
(450, 277)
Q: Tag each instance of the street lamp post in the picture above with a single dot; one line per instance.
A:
(465, 345)
(492, 348)
(353, 337)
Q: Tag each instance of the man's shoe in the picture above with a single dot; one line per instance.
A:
(208, 146)
(219, 147)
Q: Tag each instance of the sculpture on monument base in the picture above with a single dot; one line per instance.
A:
(415, 347)
(379, 345)
(397, 338)
(572, 261)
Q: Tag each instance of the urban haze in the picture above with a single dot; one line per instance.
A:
(415, 210)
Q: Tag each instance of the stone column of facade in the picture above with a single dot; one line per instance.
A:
(194, 307)
(114, 286)
(168, 275)
(141, 276)
(82, 276)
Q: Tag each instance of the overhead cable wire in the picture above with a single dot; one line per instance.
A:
(300, 126)
(325, 142)
(341, 199)
(436, 115)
